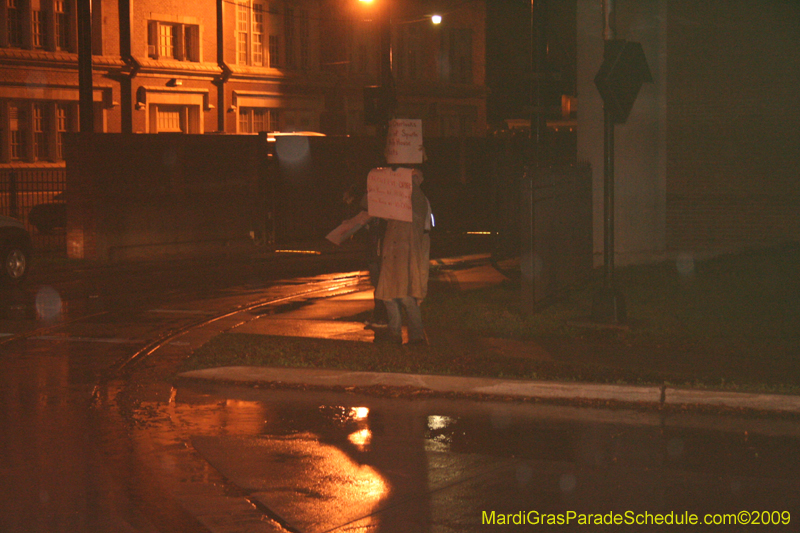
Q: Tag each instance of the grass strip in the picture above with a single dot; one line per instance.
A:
(729, 323)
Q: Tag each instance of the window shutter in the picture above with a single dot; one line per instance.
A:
(152, 39)
(192, 47)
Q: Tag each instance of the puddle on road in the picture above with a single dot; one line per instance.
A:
(318, 461)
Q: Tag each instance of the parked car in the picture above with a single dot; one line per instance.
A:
(50, 217)
(15, 250)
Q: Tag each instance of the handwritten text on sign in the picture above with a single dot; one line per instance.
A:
(404, 142)
(389, 193)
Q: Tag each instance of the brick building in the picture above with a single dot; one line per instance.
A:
(240, 66)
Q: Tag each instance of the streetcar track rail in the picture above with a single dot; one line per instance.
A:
(314, 288)
(331, 287)
(154, 345)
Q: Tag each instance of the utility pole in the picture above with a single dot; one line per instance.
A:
(126, 82)
(535, 162)
(387, 66)
(85, 98)
(221, 107)
(537, 74)
(380, 101)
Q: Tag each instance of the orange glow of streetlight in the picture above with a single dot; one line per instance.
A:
(436, 19)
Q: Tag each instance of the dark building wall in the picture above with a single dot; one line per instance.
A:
(147, 196)
(733, 114)
(707, 161)
(135, 196)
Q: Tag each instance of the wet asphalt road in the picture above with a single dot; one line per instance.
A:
(64, 336)
(89, 450)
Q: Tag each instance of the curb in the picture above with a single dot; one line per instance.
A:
(500, 387)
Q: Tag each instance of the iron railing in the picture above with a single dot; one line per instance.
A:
(23, 189)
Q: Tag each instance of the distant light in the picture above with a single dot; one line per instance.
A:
(310, 252)
(365, 1)
(479, 233)
(436, 19)
(360, 413)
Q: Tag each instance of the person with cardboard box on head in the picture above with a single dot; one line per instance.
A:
(395, 194)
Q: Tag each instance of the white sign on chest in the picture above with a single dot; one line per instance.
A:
(389, 193)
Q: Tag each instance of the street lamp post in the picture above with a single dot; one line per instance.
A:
(380, 101)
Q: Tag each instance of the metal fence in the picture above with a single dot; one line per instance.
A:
(23, 189)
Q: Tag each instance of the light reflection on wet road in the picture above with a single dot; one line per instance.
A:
(236, 459)
(56, 473)
(318, 462)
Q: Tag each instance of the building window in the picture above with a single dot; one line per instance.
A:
(258, 119)
(458, 122)
(62, 35)
(40, 132)
(258, 34)
(459, 57)
(171, 119)
(361, 40)
(37, 24)
(409, 64)
(242, 31)
(296, 35)
(64, 116)
(167, 40)
(288, 35)
(191, 42)
(274, 51)
(36, 129)
(37, 28)
(16, 127)
(174, 118)
(14, 24)
(256, 42)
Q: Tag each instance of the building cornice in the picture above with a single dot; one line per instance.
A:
(262, 73)
(148, 65)
(62, 60)
(19, 54)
